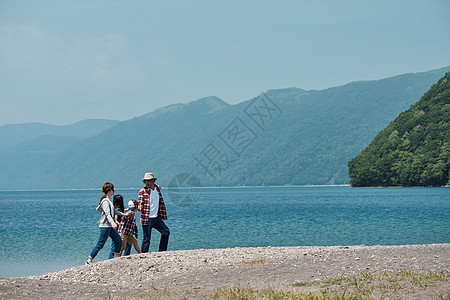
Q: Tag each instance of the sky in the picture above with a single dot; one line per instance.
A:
(63, 61)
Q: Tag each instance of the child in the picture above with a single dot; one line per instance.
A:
(118, 204)
(128, 228)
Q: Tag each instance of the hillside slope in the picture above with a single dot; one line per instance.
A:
(414, 150)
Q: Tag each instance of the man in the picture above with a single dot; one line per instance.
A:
(153, 212)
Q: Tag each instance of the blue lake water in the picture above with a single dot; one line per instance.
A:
(46, 231)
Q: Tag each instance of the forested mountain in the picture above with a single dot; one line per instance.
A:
(414, 150)
(281, 137)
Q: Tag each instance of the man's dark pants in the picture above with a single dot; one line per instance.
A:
(159, 225)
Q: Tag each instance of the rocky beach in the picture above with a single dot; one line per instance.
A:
(369, 272)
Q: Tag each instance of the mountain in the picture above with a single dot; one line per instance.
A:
(281, 137)
(13, 134)
(414, 149)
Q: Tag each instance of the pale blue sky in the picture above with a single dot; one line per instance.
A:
(65, 61)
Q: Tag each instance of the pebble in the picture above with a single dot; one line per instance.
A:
(214, 267)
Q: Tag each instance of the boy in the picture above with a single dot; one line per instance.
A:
(128, 227)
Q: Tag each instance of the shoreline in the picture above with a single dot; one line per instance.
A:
(194, 187)
(241, 186)
(398, 186)
(193, 274)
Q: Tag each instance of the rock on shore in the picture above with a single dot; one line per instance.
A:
(257, 268)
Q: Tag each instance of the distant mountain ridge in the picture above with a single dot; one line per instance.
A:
(212, 103)
(13, 134)
(281, 137)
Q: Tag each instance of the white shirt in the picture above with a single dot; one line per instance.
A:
(154, 203)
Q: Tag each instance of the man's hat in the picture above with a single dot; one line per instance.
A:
(149, 176)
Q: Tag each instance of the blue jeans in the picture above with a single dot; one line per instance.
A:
(106, 232)
(127, 250)
(159, 225)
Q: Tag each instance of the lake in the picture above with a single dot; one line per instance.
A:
(46, 231)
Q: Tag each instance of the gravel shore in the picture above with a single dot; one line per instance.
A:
(192, 274)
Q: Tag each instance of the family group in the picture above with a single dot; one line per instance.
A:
(119, 223)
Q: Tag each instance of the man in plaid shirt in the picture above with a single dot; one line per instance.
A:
(153, 212)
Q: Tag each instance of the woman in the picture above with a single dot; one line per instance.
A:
(107, 224)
